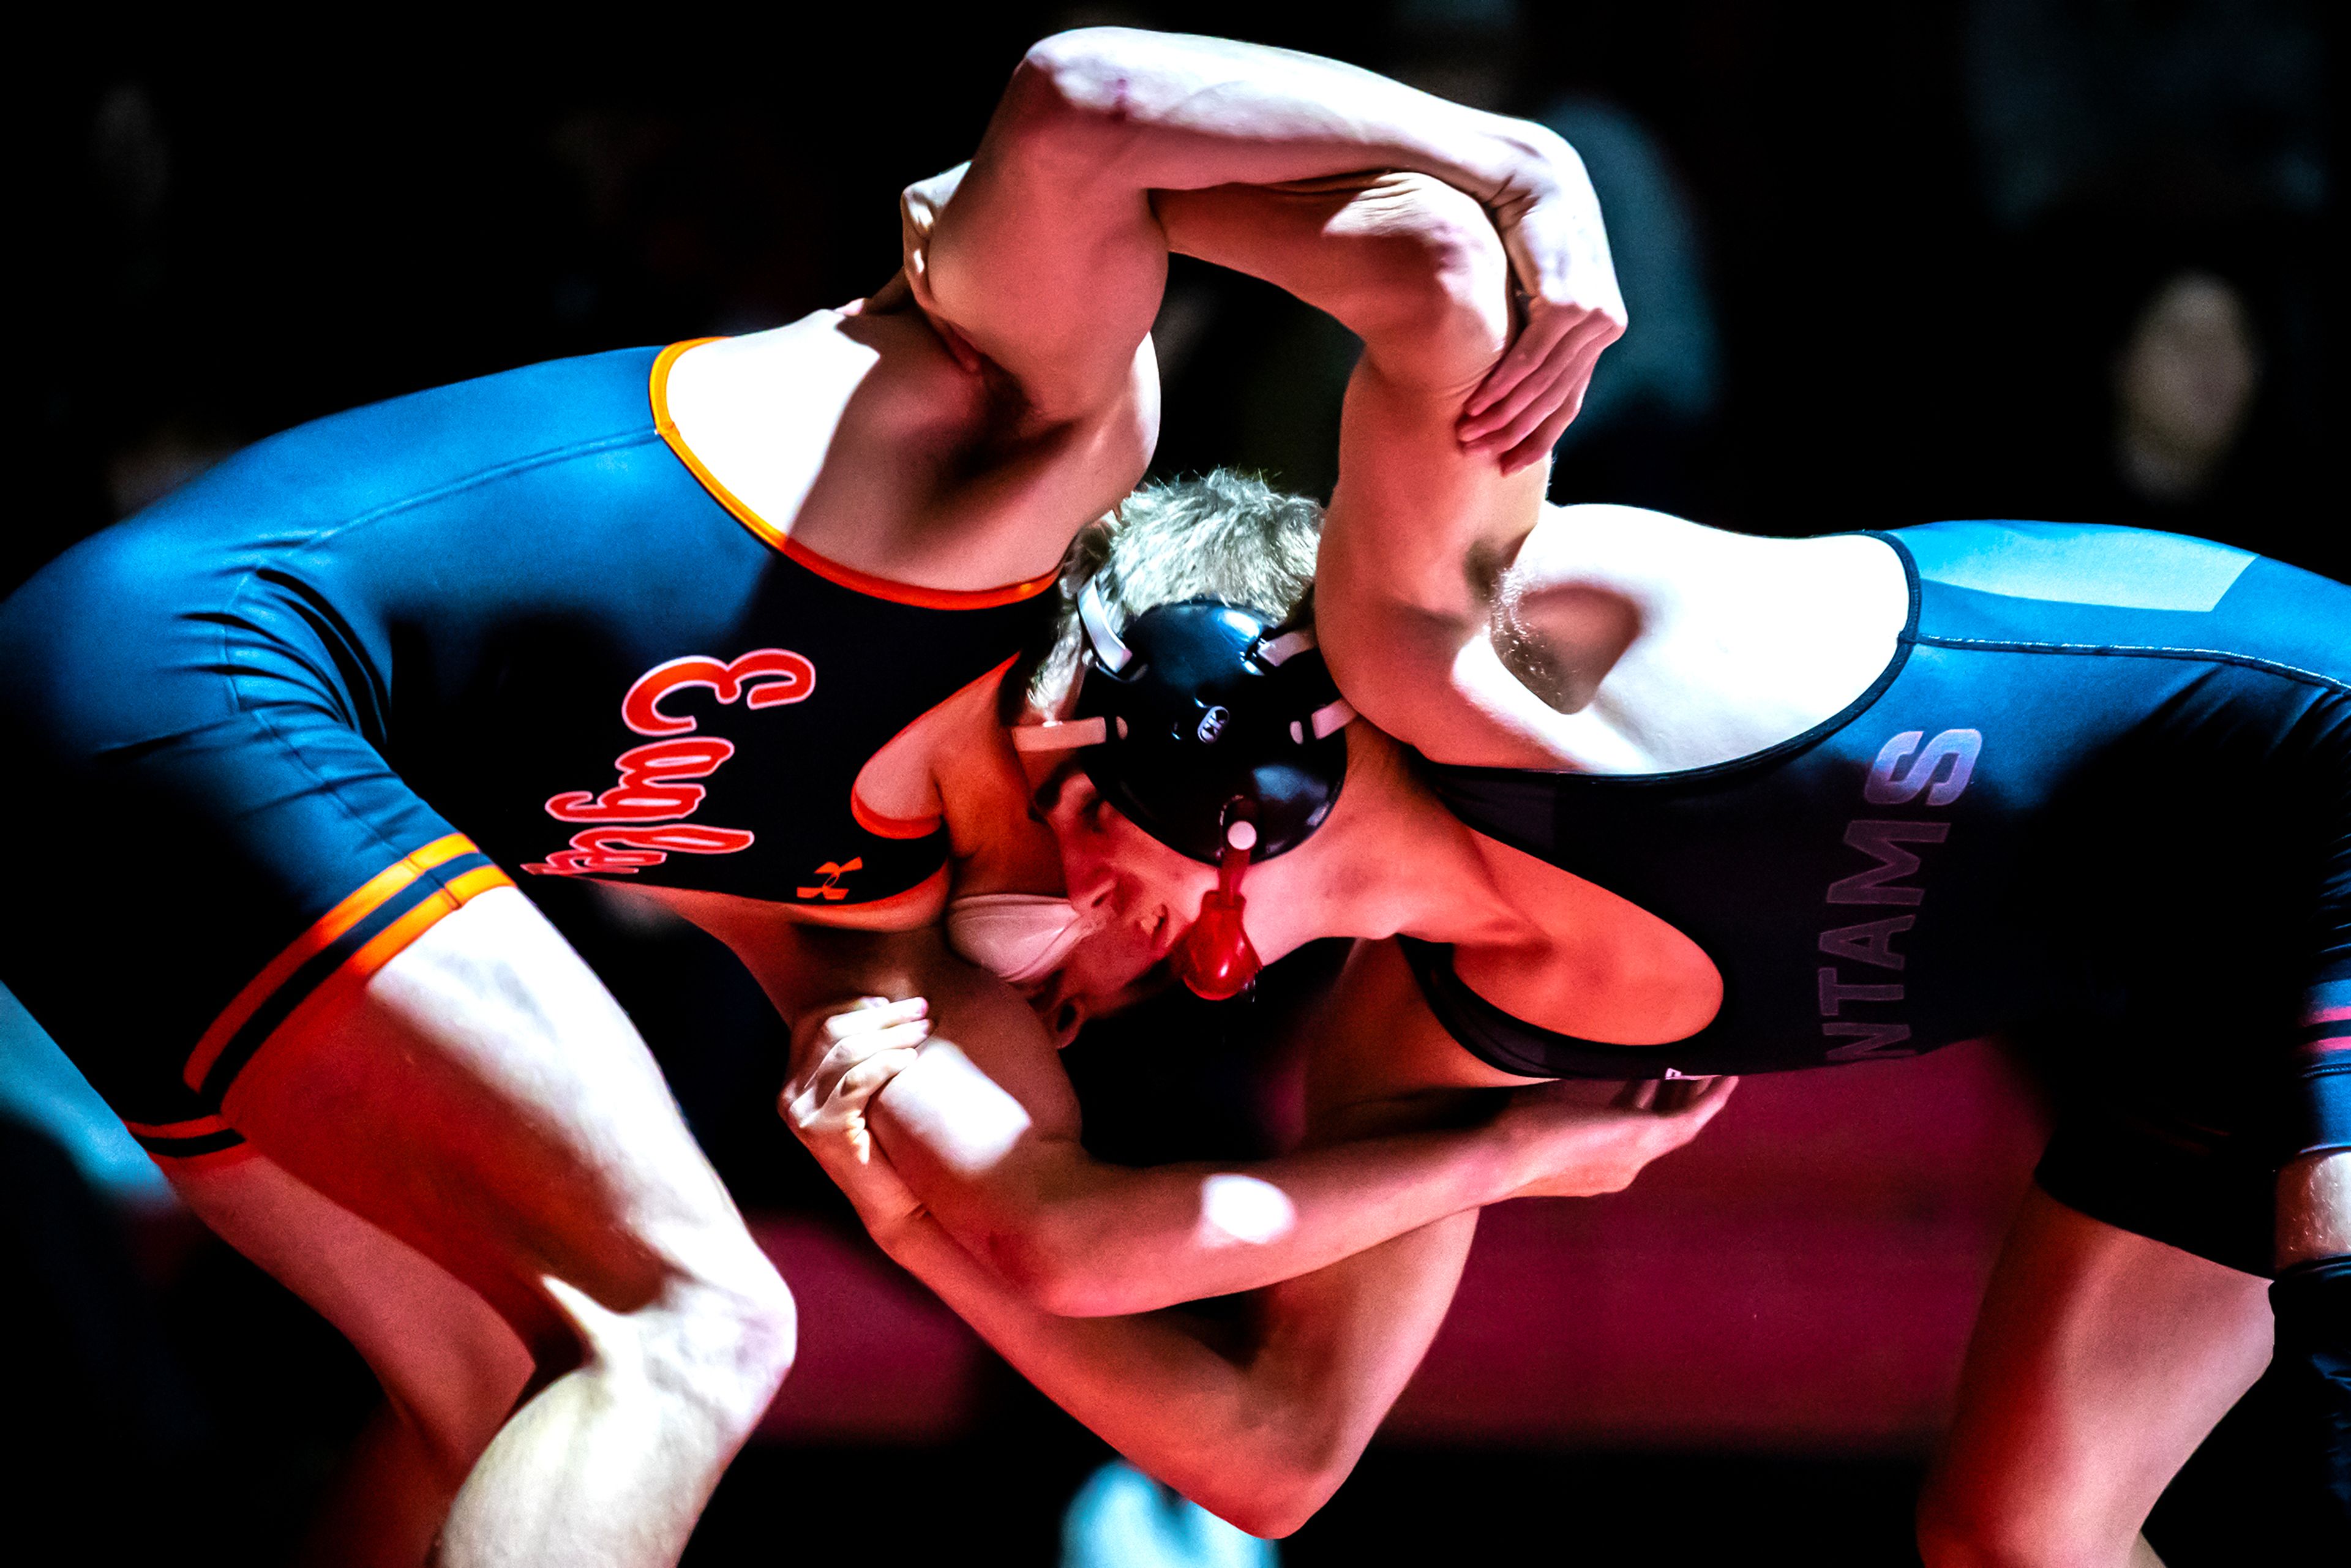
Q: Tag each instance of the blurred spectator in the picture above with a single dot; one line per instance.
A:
(2183, 382)
(2160, 174)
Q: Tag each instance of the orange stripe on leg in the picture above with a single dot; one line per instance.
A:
(442, 851)
(340, 990)
(323, 933)
(477, 881)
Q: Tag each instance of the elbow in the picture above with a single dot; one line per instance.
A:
(1067, 91)
(1439, 307)
(1287, 1489)
(1279, 1512)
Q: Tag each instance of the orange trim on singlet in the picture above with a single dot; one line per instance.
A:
(342, 988)
(194, 1127)
(887, 827)
(322, 933)
(831, 571)
(883, 826)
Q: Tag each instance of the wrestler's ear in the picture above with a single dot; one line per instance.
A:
(1069, 784)
(1068, 1019)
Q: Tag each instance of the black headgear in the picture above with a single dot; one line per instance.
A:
(1198, 712)
(1218, 738)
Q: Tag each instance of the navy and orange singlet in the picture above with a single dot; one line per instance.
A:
(267, 732)
(2100, 798)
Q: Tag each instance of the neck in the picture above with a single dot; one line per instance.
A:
(1390, 858)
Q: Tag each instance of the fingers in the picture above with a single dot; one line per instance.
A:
(846, 1055)
(835, 1106)
(1705, 1100)
(1544, 391)
(1638, 1094)
(845, 1036)
(1547, 349)
(1533, 346)
(867, 1014)
(833, 1069)
(1537, 447)
(867, 1078)
(1554, 398)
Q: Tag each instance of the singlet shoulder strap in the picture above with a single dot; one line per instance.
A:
(1502, 1040)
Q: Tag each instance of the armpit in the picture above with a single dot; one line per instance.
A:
(1561, 642)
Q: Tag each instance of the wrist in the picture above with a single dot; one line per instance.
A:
(1520, 1156)
(1529, 163)
(898, 1233)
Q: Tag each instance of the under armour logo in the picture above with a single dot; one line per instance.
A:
(1212, 725)
(832, 872)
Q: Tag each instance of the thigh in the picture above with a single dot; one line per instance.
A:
(2100, 1361)
(445, 1356)
(484, 1100)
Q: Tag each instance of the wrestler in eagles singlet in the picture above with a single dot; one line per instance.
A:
(320, 697)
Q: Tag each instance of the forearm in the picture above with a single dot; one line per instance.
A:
(1260, 1435)
(1149, 1387)
(1176, 112)
(1049, 259)
(1086, 1238)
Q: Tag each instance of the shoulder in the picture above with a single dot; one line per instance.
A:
(424, 445)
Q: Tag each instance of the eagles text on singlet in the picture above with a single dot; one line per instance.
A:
(640, 821)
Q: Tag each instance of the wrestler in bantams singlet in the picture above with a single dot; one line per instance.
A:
(264, 734)
(2099, 798)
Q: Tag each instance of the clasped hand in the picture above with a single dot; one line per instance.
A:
(1573, 1145)
(1585, 1148)
(843, 1056)
(1549, 220)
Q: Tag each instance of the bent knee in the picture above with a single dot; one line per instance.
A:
(721, 1341)
(1953, 1533)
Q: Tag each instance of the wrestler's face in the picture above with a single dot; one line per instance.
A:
(1138, 896)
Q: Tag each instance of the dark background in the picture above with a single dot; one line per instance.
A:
(1922, 238)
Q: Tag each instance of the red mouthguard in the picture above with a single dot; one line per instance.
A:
(1215, 959)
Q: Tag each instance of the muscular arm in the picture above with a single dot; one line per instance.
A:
(1049, 259)
(1260, 1427)
(1262, 1422)
(1411, 601)
(1259, 1422)
(983, 1129)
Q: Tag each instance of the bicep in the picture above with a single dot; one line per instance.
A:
(1049, 262)
(1378, 1062)
(1419, 529)
(1332, 1349)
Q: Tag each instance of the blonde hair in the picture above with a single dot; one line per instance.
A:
(1223, 535)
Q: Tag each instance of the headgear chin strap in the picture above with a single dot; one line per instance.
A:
(1218, 738)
